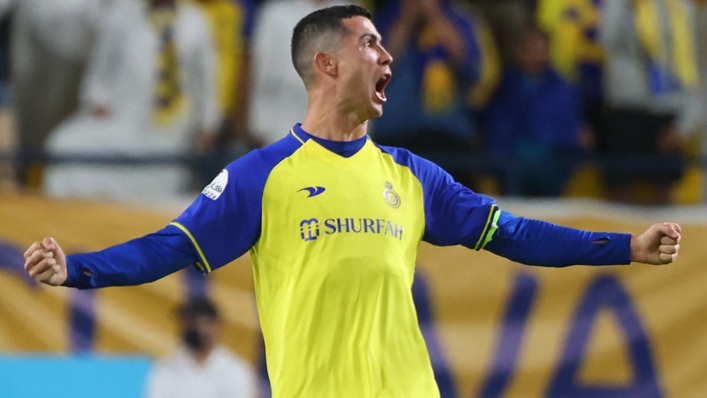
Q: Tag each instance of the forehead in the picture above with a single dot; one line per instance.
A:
(360, 26)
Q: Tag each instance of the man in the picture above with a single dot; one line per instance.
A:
(651, 75)
(534, 118)
(201, 367)
(50, 44)
(446, 59)
(149, 91)
(333, 223)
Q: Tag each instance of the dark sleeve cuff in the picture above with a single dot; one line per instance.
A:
(75, 277)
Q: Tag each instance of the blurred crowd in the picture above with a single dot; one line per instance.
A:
(513, 97)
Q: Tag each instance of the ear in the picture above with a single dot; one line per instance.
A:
(326, 63)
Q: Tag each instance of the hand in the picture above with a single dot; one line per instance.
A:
(101, 111)
(411, 12)
(670, 141)
(587, 138)
(432, 9)
(658, 245)
(46, 262)
(205, 141)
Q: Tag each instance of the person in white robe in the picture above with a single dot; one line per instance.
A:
(149, 92)
(50, 42)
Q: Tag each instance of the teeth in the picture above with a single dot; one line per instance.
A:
(381, 96)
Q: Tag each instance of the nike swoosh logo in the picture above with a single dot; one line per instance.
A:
(313, 191)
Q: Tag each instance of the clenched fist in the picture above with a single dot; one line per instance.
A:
(46, 262)
(658, 245)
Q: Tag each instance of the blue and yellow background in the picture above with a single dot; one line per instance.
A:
(493, 328)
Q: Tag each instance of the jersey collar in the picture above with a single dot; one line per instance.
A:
(344, 149)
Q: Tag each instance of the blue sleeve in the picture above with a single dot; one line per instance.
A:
(135, 262)
(534, 242)
(454, 214)
(220, 226)
(224, 222)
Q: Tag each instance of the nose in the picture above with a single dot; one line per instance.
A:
(385, 58)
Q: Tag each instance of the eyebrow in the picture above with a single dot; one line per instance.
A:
(370, 35)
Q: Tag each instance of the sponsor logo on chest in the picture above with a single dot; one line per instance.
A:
(312, 229)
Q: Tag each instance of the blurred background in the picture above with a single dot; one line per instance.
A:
(590, 113)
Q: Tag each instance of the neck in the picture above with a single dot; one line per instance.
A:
(326, 119)
(201, 355)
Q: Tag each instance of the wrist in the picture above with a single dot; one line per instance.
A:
(636, 255)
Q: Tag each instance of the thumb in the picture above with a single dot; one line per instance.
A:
(668, 229)
(49, 244)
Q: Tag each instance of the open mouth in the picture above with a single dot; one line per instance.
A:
(380, 86)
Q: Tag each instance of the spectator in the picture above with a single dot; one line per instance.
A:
(50, 44)
(651, 75)
(278, 96)
(445, 60)
(575, 49)
(534, 119)
(8, 133)
(201, 367)
(231, 25)
(149, 91)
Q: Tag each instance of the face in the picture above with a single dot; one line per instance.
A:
(199, 332)
(363, 69)
(534, 53)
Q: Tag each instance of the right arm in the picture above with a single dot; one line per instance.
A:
(220, 226)
(138, 261)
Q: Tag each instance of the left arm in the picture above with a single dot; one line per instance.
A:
(455, 215)
(446, 30)
(535, 242)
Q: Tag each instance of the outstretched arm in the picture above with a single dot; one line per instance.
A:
(535, 242)
(138, 261)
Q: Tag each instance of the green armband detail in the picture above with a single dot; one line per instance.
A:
(492, 229)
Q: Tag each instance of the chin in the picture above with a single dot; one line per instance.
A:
(376, 112)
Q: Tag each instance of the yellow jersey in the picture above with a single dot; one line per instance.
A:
(333, 230)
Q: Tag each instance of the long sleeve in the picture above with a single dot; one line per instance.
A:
(138, 261)
(534, 242)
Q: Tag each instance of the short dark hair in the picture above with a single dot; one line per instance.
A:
(317, 24)
(196, 307)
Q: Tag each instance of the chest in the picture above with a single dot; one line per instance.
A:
(368, 201)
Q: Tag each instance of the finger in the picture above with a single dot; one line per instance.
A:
(668, 241)
(41, 266)
(677, 227)
(667, 258)
(49, 243)
(46, 275)
(32, 248)
(36, 257)
(669, 249)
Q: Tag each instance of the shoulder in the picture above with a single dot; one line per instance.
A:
(264, 159)
(425, 170)
(254, 168)
(232, 360)
(167, 366)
